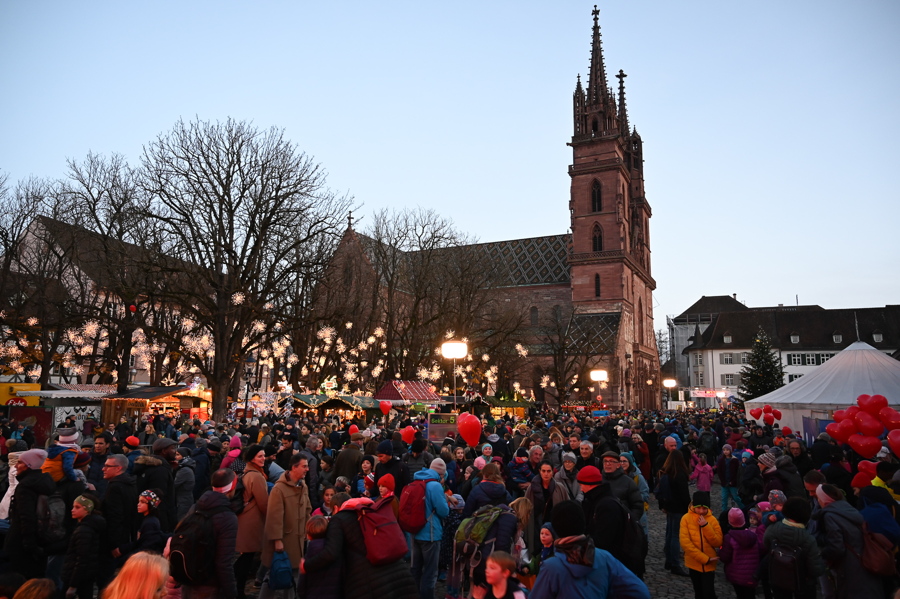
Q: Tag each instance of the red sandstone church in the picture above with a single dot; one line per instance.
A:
(595, 283)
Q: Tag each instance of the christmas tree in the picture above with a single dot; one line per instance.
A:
(763, 373)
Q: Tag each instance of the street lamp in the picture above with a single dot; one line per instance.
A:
(600, 377)
(454, 350)
(249, 361)
(669, 384)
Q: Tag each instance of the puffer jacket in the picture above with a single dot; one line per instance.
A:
(624, 487)
(740, 553)
(436, 507)
(700, 542)
(80, 567)
(785, 535)
(486, 493)
(184, 487)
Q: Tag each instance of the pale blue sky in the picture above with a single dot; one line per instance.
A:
(770, 128)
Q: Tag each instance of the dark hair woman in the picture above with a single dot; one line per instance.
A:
(674, 498)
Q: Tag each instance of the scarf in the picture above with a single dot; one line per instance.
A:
(579, 550)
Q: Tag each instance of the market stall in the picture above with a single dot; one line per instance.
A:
(144, 400)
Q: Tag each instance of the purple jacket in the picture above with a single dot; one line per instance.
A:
(740, 554)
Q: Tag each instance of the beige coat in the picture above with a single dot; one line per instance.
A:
(253, 519)
(286, 517)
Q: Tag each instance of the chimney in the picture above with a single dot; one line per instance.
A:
(734, 295)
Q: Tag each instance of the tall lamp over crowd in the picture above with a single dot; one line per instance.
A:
(454, 350)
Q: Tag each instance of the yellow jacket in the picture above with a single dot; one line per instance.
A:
(700, 543)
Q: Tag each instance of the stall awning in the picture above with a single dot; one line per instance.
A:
(62, 394)
(149, 393)
(409, 391)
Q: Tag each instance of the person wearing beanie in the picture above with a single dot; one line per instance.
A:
(22, 548)
(81, 564)
(60, 463)
(417, 459)
(578, 570)
(439, 466)
(728, 469)
(157, 471)
(791, 536)
(426, 543)
(567, 475)
(701, 537)
(131, 447)
(740, 554)
(388, 464)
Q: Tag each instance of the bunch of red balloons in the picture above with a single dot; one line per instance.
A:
(860, 426)
(768, 414)
(469, 427)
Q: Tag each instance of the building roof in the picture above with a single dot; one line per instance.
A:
(411, 391)
(814, 326)
(595, 334)
(714, 304)
(149, 393)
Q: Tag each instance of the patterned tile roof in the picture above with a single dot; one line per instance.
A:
(595, 334)
(533, 261)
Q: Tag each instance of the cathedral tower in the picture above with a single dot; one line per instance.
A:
(610, 219)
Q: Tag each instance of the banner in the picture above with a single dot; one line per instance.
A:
(86, 417)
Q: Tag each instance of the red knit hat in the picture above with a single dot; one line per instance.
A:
(861, 480)
(387, 481)
(590, 475)
(132, 442)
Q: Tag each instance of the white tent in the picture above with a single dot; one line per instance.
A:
(835, 385)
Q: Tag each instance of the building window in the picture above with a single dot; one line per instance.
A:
(837, 337)
(877, 337)
(534, 316)
(598, 239)
(825, 357)
(596, 203)
(795, 338)
(698, 359)
(728, 379)
(796, 360)
(728, 358)
(726, 339)
(810, 359)
(794, 377)
(597, 285)
(700, 379)
(745, 358)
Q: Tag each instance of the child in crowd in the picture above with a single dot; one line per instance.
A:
(327, 509)
(701, 537)
(386, 486)
(60, 462)
(324, 584)
(776, 503)
(519, 470)
(498, 574)
(703, 473)
(529, 572)
(741, 553)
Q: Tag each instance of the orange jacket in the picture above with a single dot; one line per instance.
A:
(700, 543)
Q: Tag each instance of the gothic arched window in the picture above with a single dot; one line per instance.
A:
(534, 316)
(596, 203)
(597, 237)
(597, 285)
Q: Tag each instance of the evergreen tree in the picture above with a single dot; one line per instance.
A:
(764, 372)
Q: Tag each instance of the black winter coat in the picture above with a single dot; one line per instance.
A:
(202, 473)
(399, 471)
(321, 585)
(344, 543)
(83, 556)
(22, 534)
(225, 524)
(153, 472)
(486, 493)
(120, 511)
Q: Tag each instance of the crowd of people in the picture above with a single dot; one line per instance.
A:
(551, 505)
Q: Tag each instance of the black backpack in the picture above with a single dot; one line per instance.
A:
(237, 500)
(192, 553)
(51, 517)
(784, 567)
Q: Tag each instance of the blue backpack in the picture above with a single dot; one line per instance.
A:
(280, 574)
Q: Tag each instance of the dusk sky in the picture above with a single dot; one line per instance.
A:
(770, 128)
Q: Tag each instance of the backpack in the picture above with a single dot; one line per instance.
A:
(634, 544)
(784, 567)
(192, 552)
(412, 516)
(663, 488)
(472, 531)
(877, 556)
(385, 542)
(51, 517)
(237, 500)
(280, 574)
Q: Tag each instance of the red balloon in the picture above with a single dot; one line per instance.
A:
(864, 445)
(839, 415)
(834, 430)
(873, 404)
(787, 430)
(385, 406)
(848, 427)
(852, 410)
(776, 414)
(867, 467)
(408, 435)
(469, 428)
(756, 413)
(767, 409)
(890, 418)
(894, 441)
(353, 429)
(867, 424)
(769, 419)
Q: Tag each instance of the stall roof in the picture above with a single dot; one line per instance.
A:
(149, 393)
(61, 394)
(411, 391)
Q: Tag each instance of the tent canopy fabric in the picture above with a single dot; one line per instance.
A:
(859, 369)
(411, 391)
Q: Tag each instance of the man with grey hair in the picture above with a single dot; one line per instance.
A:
(586, 456)
(312, 475)
(119, 509)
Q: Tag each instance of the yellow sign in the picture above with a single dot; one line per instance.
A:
(8, 393)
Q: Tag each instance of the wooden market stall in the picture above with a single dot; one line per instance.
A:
(143, 400)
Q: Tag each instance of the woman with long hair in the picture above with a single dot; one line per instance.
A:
(674, 497)
(143, 576)
(252, 518)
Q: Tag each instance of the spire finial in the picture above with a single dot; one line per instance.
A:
(623, 111)
(597, 85)
(350, 219)
(596, 14)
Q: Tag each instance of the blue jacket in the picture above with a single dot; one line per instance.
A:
(436, 507)
(607, 578)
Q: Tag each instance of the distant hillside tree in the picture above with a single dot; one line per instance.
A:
(764, 372)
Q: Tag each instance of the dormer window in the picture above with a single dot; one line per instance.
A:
(877, 337)
(726, 338)
(795, 338)
(837, 337)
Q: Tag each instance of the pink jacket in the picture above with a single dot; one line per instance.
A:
(703, 475)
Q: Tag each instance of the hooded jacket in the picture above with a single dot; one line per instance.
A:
(152, 472)
(605, 577)
(83, 555)
(287, 512)
(486, 493)
(700, 542)
(740, 553)
(839, 534)
(436, 507)
(225, 526)
(184, 487)
(786, 535)
(22, 534)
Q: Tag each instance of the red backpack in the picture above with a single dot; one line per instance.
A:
(412, 507)
(385, 543)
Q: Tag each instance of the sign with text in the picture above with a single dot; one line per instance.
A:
(439, 425)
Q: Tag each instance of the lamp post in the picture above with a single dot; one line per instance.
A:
(669, 384)
(454, 350)
(600, 377)
(249, 361)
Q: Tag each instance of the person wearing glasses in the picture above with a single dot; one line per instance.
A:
(119, 510)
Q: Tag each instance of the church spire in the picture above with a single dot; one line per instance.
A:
(598, 89)
(623, 111)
